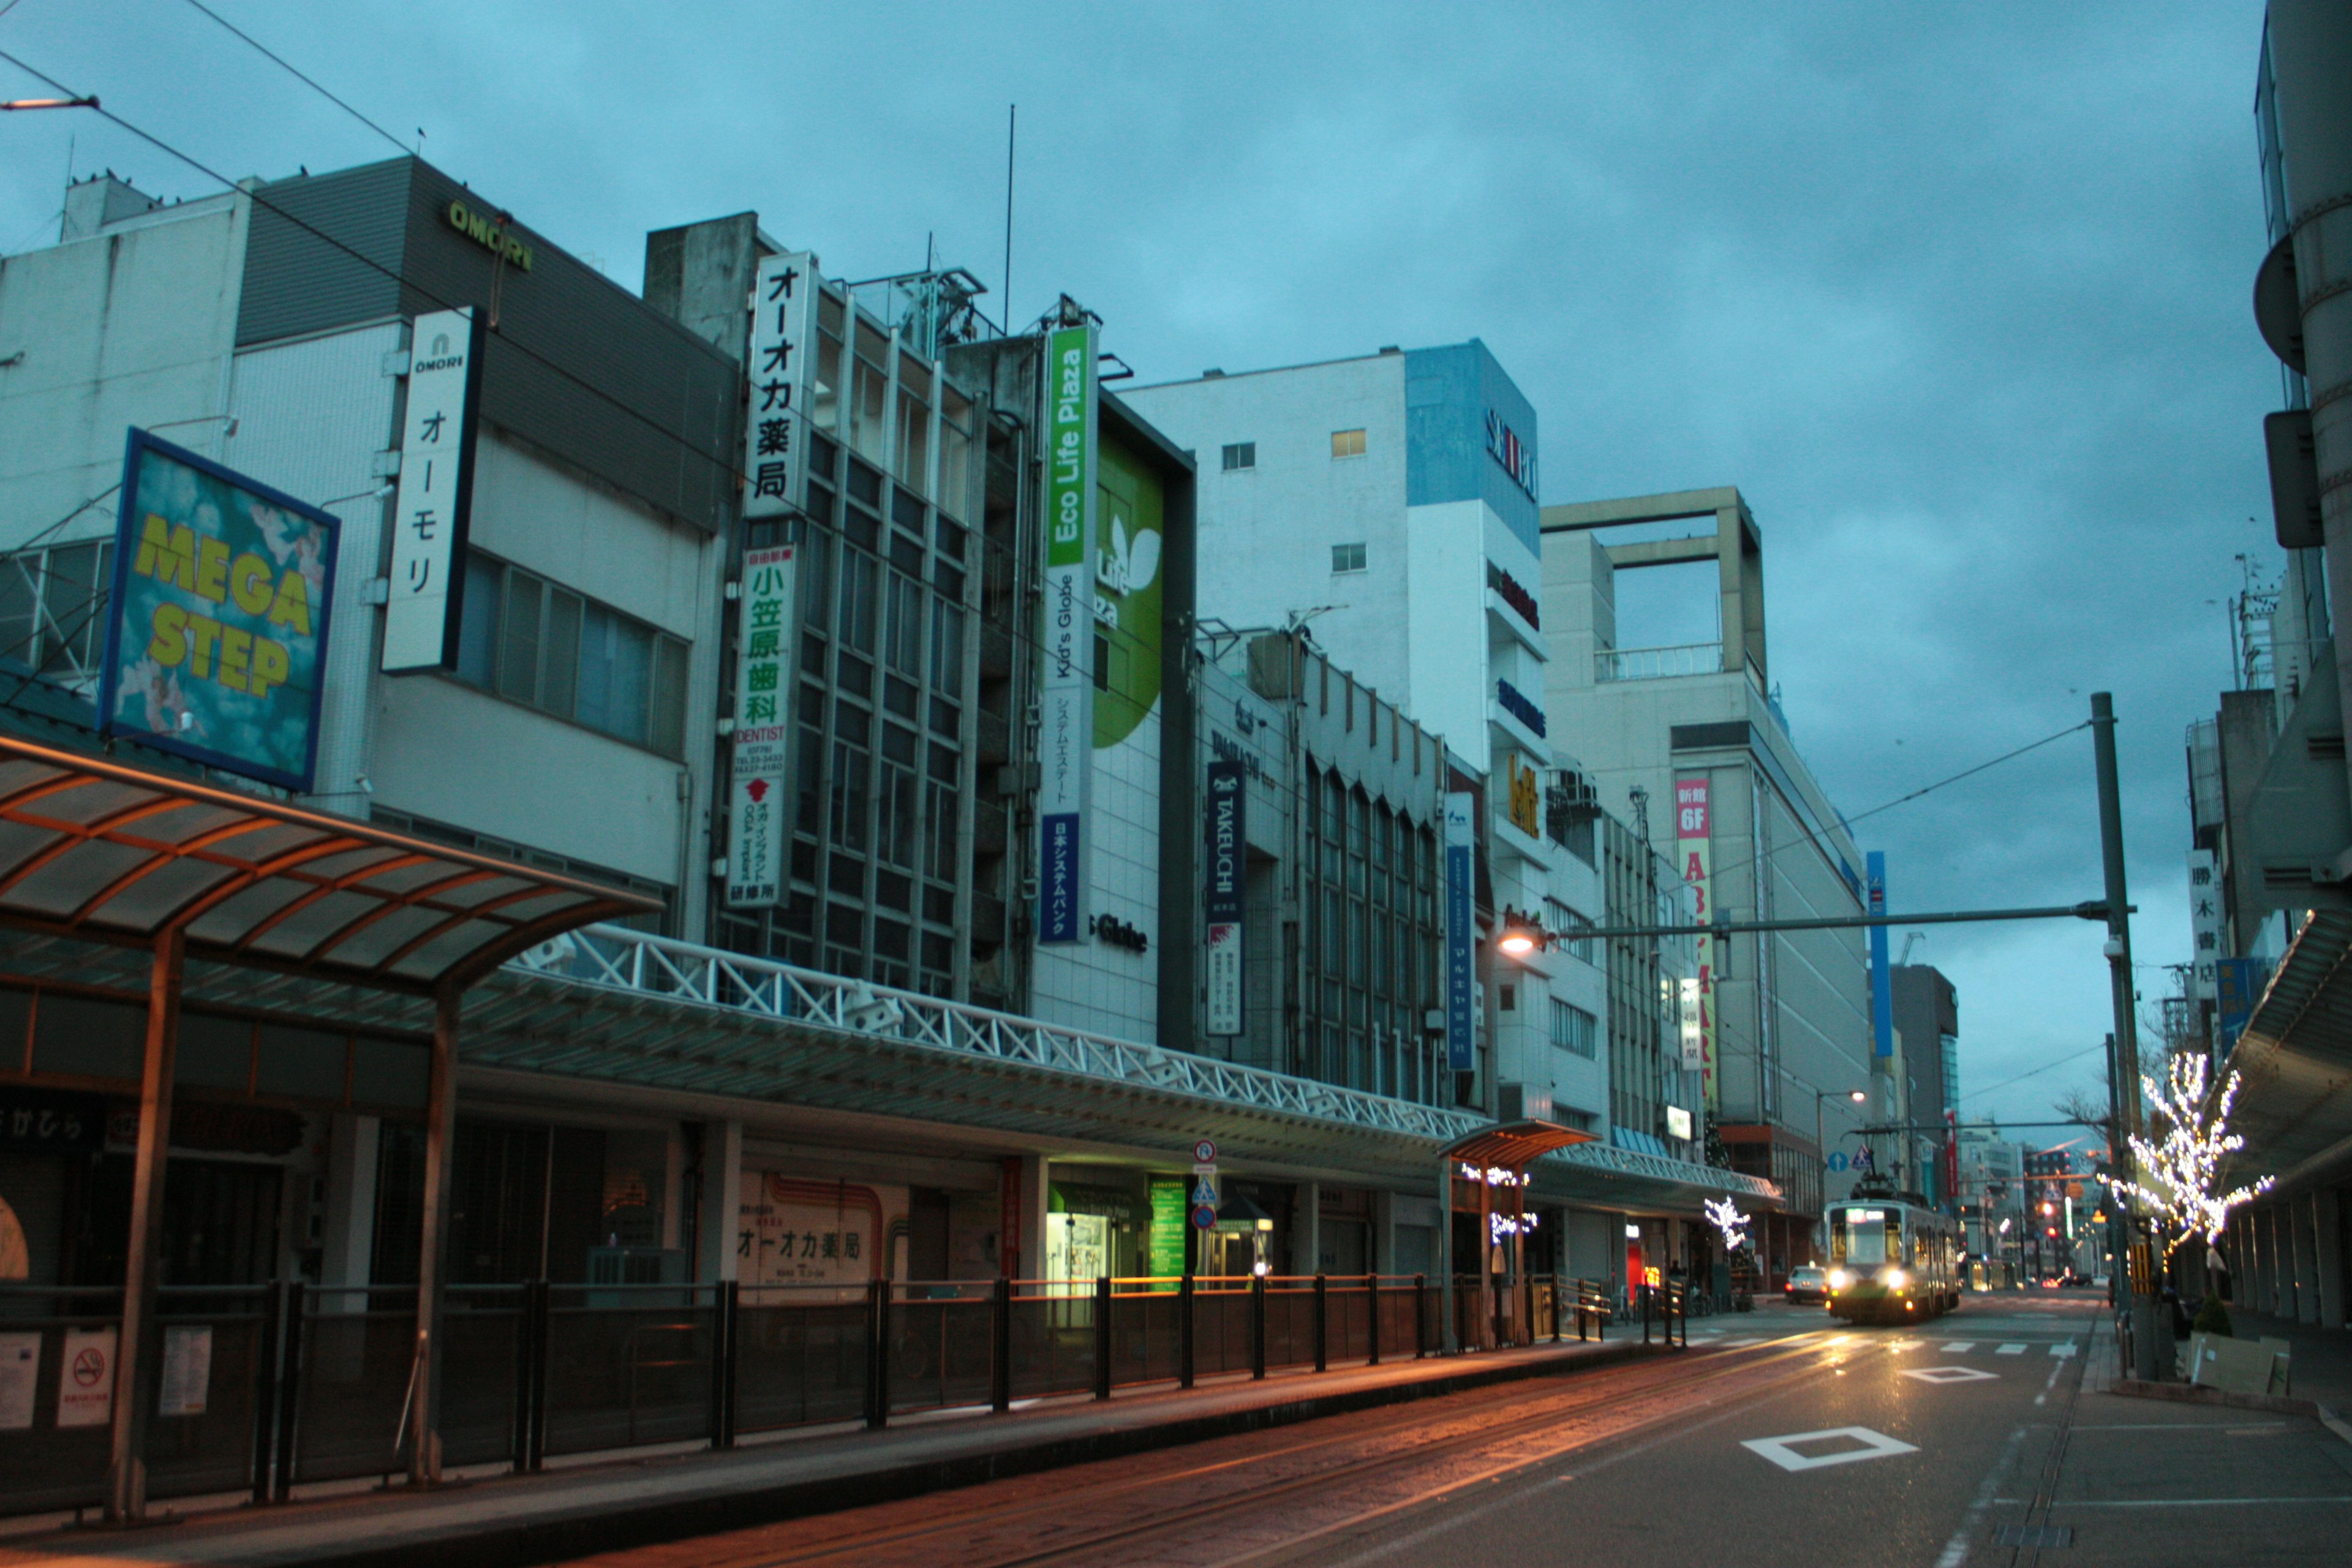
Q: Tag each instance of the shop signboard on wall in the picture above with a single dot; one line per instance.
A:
(1693, 1023)
(1693, 850)
(433, 504)
(2204, 924)
(216, 628)
(1067, 720)
(797, 1232)
(758, 820)
(1461, 972)
(50, 1119)
(1228, 857)
(775, 428)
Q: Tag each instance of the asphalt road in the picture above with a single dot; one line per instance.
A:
(1782, 1439)
(1970, 1440)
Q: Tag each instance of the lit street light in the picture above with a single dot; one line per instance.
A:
(89, 102)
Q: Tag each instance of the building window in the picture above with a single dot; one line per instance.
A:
(534, 642)
(53, 609)
(1573, 1029)
(1347, 558)
(1240, 454)
(1347, 443)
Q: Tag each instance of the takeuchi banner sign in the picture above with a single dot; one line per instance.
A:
(216, 628)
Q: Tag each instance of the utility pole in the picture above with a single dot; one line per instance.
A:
(2122, 1083)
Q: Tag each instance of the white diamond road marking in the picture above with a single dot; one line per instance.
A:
(1782, 1451)
(2065, 1348)
(1957, 1346)
(1942, 1375)
(2011, 1349)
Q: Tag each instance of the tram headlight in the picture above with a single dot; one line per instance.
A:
(1839, 1279)
(1896, 1279)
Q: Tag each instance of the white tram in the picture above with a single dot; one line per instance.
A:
(1892, 1261)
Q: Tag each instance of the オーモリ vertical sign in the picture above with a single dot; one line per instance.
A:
(436, 493)
(1066, 721)
(216, 628)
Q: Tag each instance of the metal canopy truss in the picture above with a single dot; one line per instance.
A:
(618, 1004)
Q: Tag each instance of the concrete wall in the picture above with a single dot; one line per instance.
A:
(133, 326)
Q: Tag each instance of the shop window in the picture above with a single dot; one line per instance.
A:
(1240, 454)
(1347, 443)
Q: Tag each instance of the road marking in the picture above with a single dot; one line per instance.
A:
(1782, 1451)
(2011, 1349)
(1904, 1344)
(1957, 1346)
(1956, 1550)
(2202, 1503)
(1739, 1345)
(2063, 1348)
(1942, 1375)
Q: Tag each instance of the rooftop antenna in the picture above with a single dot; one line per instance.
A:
(1012, 135)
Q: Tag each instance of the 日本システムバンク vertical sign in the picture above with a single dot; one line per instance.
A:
(1066, 724)
(759, 821)
(435, 494)
(775, 433)
(1228, 860)
(1694, 852)
(216, 628)
(1461, 932)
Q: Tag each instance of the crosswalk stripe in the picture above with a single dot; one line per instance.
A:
(2011, 1349)
(1957, 1346)
(2064, 1348)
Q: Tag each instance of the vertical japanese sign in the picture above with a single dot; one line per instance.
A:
(435, 501)
(1693, 1023)
(1693, 850)
(2238, 985)
(1882, 994)
(216, 625)
(758, 823)
(1461, 973)
(2205, 921)
(1067, 726)
(1228, 856)
(775, 436)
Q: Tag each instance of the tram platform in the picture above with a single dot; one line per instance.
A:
(492, 1518)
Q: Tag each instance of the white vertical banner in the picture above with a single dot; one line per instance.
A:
(435, 497)
(775, 430)
(86, 1379)
(1065, 737)
(759, 816)
(2205, 922)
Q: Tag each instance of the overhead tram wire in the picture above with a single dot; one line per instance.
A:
(292, 69)
(2036, 1072)
(723, 464)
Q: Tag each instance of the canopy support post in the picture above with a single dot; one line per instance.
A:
(440, 1136)
(126, 1478)
(1446, 1294)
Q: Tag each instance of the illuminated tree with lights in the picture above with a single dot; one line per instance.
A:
(1724, 1215)
(2180, 1173)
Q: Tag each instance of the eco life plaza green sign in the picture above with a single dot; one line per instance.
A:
(216, 628)
(1065, 737)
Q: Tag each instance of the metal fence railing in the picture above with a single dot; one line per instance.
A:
(261, 1389)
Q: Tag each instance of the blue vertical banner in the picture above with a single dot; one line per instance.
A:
(1460, 972)
(1882, 992)
(2238, 985)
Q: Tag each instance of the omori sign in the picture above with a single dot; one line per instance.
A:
(216, 630)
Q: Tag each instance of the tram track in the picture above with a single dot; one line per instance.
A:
(1405, 1445)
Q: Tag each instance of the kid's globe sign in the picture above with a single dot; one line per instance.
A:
(217, 631)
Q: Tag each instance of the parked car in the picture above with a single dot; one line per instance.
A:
(1806, 1284)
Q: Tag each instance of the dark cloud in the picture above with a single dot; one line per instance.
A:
(1957, 295)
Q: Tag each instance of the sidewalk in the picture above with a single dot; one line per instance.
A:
(2320, 1366)
(506, 1520)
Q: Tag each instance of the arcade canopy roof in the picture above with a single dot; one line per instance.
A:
(118, 854)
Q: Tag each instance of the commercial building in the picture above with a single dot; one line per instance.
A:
(1926, 1017)
(838, 1039)
(1786, 1021)
(2270, 862)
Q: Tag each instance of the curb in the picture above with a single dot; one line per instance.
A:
(526, 1544)
(2192, 1393)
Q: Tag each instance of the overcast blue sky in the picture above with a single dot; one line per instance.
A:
(1958, 295)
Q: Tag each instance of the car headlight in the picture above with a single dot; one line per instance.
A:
(1896, 1278)
(1839, 1279)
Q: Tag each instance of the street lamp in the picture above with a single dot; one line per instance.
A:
(89, 102)
(1821, 1151)
(1522, 934)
